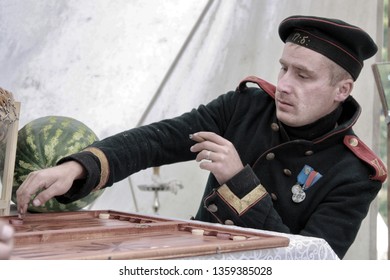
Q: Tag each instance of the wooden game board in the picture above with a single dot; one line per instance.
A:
(87, 235)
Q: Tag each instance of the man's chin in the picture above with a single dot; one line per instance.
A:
(286, 119)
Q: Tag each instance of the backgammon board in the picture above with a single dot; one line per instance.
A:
(117, 235)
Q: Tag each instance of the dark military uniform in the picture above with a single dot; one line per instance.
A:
(260, 196)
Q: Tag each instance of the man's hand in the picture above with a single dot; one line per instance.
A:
(52, 181)
(217, 155)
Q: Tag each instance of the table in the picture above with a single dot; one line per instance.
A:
(106, 234)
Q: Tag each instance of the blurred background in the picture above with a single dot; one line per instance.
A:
(114, 65)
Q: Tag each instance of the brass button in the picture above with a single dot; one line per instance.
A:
(270, 156)
(229, 222)
(287, 172)
(353, 142)
(309, 153)
(212, 208)
(274, 126)
(273, 196)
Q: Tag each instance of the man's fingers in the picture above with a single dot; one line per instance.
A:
(196, 137)
(24, 193)
(45, 195)
(208, 136)
(34, 182)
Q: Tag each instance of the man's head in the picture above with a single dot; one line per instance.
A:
(343, 43)
(320, 62)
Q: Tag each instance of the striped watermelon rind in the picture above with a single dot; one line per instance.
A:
(44, 141)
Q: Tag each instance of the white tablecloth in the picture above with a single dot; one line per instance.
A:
(299, 248)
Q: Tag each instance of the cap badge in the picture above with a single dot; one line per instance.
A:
(300, 39)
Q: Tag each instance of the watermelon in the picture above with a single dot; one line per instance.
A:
(41, 143)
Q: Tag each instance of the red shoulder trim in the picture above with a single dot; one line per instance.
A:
(264, 85)
(367, 155)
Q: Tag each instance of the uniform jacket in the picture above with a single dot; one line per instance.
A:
(260, 196)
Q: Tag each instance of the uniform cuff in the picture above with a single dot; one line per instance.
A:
(243, 181)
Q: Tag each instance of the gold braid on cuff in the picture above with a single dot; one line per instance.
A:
(245, 203)
(104, 167)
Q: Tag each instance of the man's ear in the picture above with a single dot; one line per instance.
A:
(344, 89)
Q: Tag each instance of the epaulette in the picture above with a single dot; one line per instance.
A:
(264, 85)
(367, 155)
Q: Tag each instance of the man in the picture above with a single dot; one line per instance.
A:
(281, 158)
(6, 240)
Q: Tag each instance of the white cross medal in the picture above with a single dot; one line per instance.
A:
(305, 179)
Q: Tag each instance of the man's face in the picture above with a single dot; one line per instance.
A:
(304, 92)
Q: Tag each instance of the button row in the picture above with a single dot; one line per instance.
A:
(214, 208)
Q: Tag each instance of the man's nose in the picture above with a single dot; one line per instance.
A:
(284, 83)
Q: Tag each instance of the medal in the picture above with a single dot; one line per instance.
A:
(305, 179)
(299, 196)
(296, 188)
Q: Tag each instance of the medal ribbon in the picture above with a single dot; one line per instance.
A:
(307, 177)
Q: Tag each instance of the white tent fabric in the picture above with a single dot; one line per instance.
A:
(117, 64)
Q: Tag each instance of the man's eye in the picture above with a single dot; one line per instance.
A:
(303, 76)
